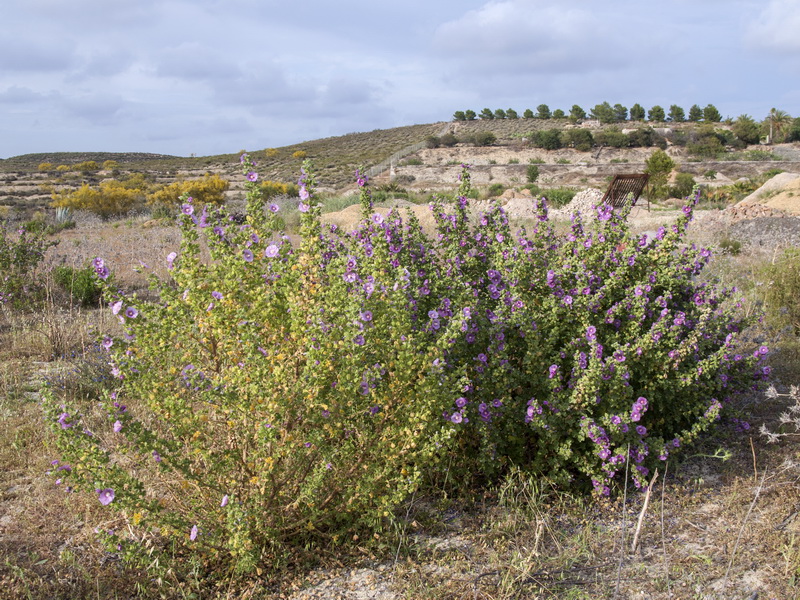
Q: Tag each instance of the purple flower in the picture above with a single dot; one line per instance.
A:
(131, 312)
(366, 315)
(252, 176)
(604, 212)
(247, 255)
(187, 209)
(456, 418)
(358, 340)
(377, 218)
(461, 402)
(224, 502)
(107, 342)
(171, 259)
(62, 420)
(553, 370)
(193, 533)
(303, 207)
(274, 207)
(102, 272)
(117, 426)
(105, 496)
(641, 430)
(98, 263)
(591, 333)
(271, 251)
(156, 456)
(304, 195)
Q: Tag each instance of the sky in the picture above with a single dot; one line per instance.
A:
(208, 77)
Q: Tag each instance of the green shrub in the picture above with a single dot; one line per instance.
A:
(560, 196)
(496, 189)
(448, 140)
(730, 246)
(683, 186)
(21, 252)
(532, 173)
(81, 284)
(483, 138)
(783, 289)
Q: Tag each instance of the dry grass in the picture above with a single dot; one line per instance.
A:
(713, 529)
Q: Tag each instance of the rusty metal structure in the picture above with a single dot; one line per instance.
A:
(626, 188)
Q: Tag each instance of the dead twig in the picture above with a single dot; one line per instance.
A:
(663, 538)
(624, 522)
(643, 511)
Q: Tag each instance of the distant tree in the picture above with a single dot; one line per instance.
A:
(576, 113)
(543, 111)
(46, 166)
(659, 166)
(612, 137)
(793, 132)
(110, 165)
(779, 120)
(705, 142)
(746, 129)
(559, 114)
(271, 152)
(459, 115)
(300, 154)
(676, 114)
(528, 114)
(511, 114)
(549, 139)
(432, 141)
(711, 114)
(580, 139)
(695, 114)
(499, 114)
(603, 113)
(644, 137)
(637, 112)
(487, 114)
(620, 113)
(470, 114)
(532, 173)
(656, 114)
(63, 169)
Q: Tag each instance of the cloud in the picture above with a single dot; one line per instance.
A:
(777, 27)
(23, 96)
(530, 36)
(23, 54)
(193, 62)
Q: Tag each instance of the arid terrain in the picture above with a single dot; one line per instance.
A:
(720, 523)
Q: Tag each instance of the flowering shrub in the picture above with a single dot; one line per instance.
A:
(210, 189)
(276, 395)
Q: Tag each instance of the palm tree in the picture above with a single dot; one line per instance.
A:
(778, 121)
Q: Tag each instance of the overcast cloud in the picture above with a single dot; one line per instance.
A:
(214, 76)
